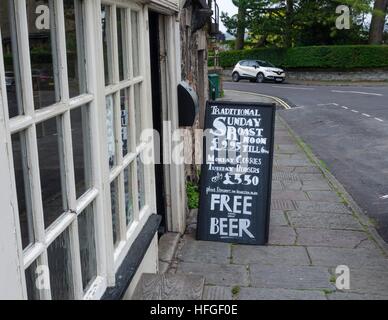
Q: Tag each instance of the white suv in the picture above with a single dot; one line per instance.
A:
(257, 70)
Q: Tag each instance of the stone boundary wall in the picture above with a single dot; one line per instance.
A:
(359, 75)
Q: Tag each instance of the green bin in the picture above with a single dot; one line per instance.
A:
(214, 86)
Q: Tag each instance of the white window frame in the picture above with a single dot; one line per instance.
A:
(128, 235)
(108, 258)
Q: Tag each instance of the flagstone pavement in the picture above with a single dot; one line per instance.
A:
(313, 231)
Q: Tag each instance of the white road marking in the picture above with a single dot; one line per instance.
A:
(384, 197)
(358, 92)
(296, 88)
(327, 104)
(364, 114)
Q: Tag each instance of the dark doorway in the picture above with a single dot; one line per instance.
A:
(157, 113)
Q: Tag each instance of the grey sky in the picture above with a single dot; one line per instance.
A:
(226, 6)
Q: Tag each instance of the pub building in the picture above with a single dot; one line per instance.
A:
(81, 213)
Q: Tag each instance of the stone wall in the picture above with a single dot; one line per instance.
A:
(194, 54)
(360, 75)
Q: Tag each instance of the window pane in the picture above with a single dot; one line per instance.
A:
(125, 101)
(110, 124)
(121, 17)
(31, 277)
(81, 149)
(141, 183)
(138, 113)
(128, 182)
(135, 42)
(75, 47)
(115, 211)
(10, 59)
(106, 35)
(59, 260)
(50, 170)
(23, 189)
(41, 28)
(87, 244)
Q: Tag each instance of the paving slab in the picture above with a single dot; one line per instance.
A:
(270, 255)
(279, 294)
(278, 218)
(365, 281)
(308, 169)
(284, 176)
(204, 251)
(354, 258)
(293, 162)
(169, 287)
(283, 139)
(311, 177)
(167, 246)
(216, 274)
(289, 195)
(283, 169)
(287, 148)
(283, 204)
(277, 186)
(290, 277)
(355, 296)
(316, 185)
(330, 238)
(217, 293)
(282, 235)
(318, 206)
(323, 220)
(322, 195)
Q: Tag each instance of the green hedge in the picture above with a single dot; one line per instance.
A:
(325, 57)
(230, 58)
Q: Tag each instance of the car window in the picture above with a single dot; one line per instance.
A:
(266, 64)
(244, 63)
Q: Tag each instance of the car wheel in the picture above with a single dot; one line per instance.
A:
(236, 77)
(260, 78)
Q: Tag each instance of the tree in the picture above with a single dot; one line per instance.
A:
(285, 23)
(237, 24)
(289, 23)
(376, 32)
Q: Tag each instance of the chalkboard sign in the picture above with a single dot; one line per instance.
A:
(236, 177)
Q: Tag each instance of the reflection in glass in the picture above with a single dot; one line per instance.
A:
(81, 149)
(41, 27)
(32, 273)
(23, 189)
(106, 32)
(60, 267)
(124, 102)
(114, 193)
(110, 125)
(74, 47)
(128, 178)
(121, 43)
(141, 183)
(10, 59)
(138, 113)
(135, 42)
(50, 170)
(87, 244)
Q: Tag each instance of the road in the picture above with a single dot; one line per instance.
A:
(347, 128)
